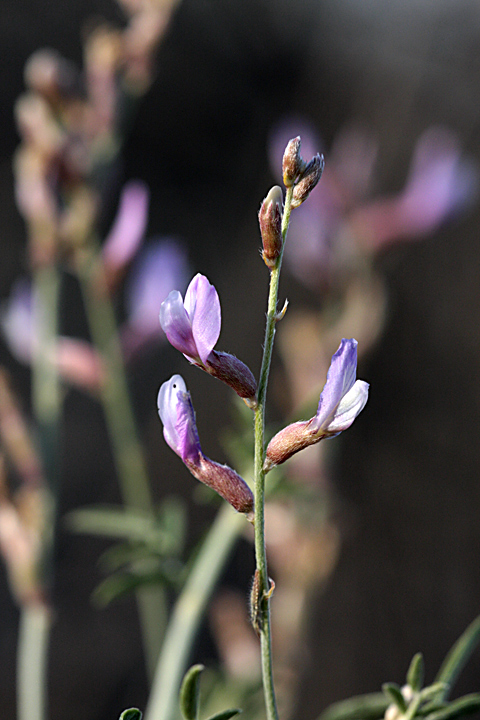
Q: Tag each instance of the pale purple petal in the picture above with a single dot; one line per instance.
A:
(160, 268)
(203, 307)
(349, 407)
(129, 225)
(177, 326)
(178, 418)
(340, 379)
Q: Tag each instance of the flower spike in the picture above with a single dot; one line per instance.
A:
(341, 400)
(180, 431)
(193, 327)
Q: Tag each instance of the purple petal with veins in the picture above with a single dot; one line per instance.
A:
(340, 379)
(193, 326)
(203, 307)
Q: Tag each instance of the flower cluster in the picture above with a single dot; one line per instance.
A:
(192, 325)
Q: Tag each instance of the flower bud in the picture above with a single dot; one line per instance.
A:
(293, 163)
(270, 219)
(225, 481)
(235, 373)
(308, 180)
(341, 401)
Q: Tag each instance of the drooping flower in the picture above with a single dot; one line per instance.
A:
(193, 327)
(180, 431)
(342, 399)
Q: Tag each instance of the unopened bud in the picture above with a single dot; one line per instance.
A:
(235, 373)
(226, 482)
(308, 180)
(293, 164)
(270, 220)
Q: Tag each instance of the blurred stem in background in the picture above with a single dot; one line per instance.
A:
(35, 617)
(126, 445)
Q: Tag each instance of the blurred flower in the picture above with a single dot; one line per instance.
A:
(193, 327)
(440, 184)
(180, 431)
(16, 319)
(327, 234)
(126, 234)
(160, 267)
(76, 360)
(341, 400)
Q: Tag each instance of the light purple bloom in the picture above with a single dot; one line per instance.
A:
(343, 396)
(180, 431)
(341, 400)
(193, 327)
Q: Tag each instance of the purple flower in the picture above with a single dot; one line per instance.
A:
(342, 399)
(178, 416)
(193, 327)
(180, 431)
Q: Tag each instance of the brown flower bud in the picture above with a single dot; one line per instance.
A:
(225, 481)
(293, 163)
(308, 179)
(235, 373)
(270, 220)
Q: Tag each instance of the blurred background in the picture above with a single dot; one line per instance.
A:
(386, 250)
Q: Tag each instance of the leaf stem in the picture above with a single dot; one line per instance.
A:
(259, 429)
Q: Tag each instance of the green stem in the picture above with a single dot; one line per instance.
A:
(32, 651)
(188, 612)
(131, 467)
(259, 428)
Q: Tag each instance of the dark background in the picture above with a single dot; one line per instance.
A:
(408, 478)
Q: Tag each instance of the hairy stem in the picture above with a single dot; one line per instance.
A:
(259, 428)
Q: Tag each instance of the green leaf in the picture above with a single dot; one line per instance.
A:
(394, 693)
(370, 706)
(434, 693)
(190, 692)
(459, 655)
(120, 584)
(416, 672)
(131, 714)
(463, 706)
(111, 522)
(225, 714)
